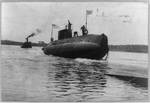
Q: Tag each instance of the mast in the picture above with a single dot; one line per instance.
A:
(54, 26)
(52, 33)
(86, 20)
(88, 12)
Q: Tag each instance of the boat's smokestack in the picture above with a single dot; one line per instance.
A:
(27, 40)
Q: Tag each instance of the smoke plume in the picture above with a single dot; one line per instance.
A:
(38, 31)
(33, 34)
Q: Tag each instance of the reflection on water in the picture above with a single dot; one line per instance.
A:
(75, 82)
(29, 75)
(75, 79)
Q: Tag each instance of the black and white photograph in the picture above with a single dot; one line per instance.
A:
(81, 51)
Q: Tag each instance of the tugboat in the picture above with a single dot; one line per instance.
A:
(26, 44)
(88, 46)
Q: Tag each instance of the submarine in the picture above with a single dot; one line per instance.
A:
(26, 44)
(89, 46)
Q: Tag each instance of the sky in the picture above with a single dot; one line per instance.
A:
(122, 22)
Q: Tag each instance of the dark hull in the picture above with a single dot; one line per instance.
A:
(26, 45)
(89, 46)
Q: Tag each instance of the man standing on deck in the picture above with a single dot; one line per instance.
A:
(69, 25)
(52, 39)
(84, 30)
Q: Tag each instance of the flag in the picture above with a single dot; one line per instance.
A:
(55, 26)
(88, 12)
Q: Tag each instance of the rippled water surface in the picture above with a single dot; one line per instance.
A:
(30, 75)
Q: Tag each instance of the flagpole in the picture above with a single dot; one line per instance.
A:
(52, 32)
(86, 20)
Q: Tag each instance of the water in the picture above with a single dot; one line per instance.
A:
(29, 75)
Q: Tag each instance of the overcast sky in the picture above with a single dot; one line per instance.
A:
(122, 22)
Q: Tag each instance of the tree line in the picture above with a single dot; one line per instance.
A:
(129, 48)
(9, 42)
(125, 48)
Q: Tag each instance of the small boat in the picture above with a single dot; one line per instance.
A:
(88, 46)
(26, 44)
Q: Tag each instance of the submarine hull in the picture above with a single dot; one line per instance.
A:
(88, 46)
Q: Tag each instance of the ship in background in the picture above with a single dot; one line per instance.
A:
(88, 46)
(26, 44)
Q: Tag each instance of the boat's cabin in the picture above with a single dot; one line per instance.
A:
(65, 33)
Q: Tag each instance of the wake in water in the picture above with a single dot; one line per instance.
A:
(89, 61)
(131, 74)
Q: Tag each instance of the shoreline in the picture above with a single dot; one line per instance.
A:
(110, 49)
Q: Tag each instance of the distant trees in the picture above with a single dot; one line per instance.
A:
(125, 48)
(9, 42)
(129, 48)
